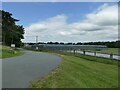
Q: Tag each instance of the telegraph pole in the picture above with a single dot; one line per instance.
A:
(36, 42)
(36, 39)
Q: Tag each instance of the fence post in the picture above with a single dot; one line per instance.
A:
(111, 56)
(74, 51)
(94, 53)
(84, 52)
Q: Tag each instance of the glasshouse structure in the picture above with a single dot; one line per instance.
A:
(66, 47)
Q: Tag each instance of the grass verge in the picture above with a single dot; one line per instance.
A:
(6, 52)
(94, 58)
(80, 72)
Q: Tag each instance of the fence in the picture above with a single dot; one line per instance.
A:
(105, 55)
(76, 49)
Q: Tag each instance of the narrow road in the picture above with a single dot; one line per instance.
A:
(18, 72)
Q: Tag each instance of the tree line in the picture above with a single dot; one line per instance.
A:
(11, 32)
(109, 44)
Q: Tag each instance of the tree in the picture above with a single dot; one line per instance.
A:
(61, 43)
(0, 27)
(11, 33)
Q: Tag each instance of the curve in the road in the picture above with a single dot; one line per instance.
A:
(18, 72)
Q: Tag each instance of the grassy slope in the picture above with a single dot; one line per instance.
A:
(76, 72)
(8, 52)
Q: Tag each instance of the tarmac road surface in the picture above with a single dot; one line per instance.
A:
(18, 72)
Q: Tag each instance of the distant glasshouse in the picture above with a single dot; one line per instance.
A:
(66, 47)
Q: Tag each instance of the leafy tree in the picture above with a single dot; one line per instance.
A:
(11, 33)
(61, 43)
(0, 27)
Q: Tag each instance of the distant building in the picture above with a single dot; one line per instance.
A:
(27, 45)
(67, 47)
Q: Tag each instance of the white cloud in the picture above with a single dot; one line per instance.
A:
(98, 25)
(105, 15)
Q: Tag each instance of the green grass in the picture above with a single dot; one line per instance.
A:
(110, 50)
(80, 72)
(94, 58)
(6, 52)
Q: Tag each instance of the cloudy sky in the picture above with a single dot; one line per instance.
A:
(66, 22)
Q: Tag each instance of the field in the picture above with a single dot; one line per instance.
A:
(111, 50)
(80, 72)
(6, 51)
(108, 50)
